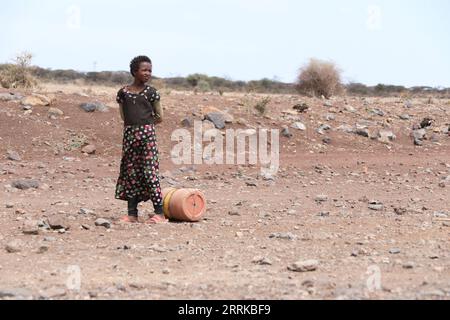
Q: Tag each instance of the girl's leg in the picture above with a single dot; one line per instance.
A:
(132, 207)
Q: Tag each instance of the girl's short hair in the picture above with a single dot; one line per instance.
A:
(136, 62)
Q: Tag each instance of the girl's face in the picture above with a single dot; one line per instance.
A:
(144, 74)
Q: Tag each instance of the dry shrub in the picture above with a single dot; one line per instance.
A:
(319, 78)
(18, 75)
(261, 106)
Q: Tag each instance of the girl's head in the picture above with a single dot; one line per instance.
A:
(141, 68)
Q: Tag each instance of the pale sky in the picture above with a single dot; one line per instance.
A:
(401, 42)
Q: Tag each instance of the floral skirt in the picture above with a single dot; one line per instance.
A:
(139, 168)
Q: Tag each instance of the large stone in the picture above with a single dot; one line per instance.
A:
(345, 128)
(350, 109)
(405, 116)
(285, 132)
(228, 118)
(304, 266)
(378, 112)
(322, 128)
(298, 126)
(419, 136)
(15, 293)
(57, 222)
(89, 149)
(186, 122)
(25, 184)
(36, 100)
(362, 132)
(14, 246)
(94, 106)
(13, 155)
(283, 236)
(103, 223)
(375, 205)
(217, 118)
(55, 112)
(30, 227)
(10, 97)
(386, 136)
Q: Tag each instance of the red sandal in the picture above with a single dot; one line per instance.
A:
(157, 218)
(129, 219)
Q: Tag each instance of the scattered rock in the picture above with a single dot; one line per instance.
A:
(386, 136)
(9, 96)
(394, 251)
(95, 106)
(218, 119)
(103, 223)
(25, 184)
(375, 205)
(16, 293)
(14, 246)
(36, 100)
(20, 211)
(326, 140)
(400, 210)
(53, 293)
(86, 211)
(42, 249)
(262, 261)
(283, 236)
(362, 132)
(57, 222)
(304, 266)
(186, 122)
(9, 205)
(350, 109)
(405, 116)
(30, 227)
(408, 265)
(285, 132)
(419, 136)
(298, 126)
(89, 149)
(321, 198)
(301, 107)
(322, 128)
(13, 155)
(55, 112)
(426, 122)
(345, 128)
(377, 112)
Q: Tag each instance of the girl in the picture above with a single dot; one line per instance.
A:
(140, 109)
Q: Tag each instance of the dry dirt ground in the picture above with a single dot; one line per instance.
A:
(375, 216)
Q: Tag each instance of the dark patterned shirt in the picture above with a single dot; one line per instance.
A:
(139, 108)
